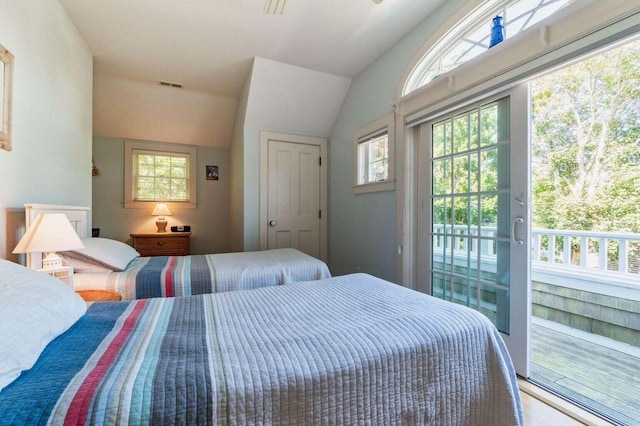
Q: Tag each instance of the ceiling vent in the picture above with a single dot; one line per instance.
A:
(169, 84)
(274, 7)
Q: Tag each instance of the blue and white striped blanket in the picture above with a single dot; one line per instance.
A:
(343, 351)
(169, 276)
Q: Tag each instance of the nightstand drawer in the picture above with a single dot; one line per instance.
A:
(158, 245)
(173, 244)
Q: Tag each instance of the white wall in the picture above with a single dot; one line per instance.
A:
(236, 185)
(52, 103)
(145, 110)
(285, 99)
(294, 100)
(362, 228)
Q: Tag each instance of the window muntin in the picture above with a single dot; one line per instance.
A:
(159, 172)
(374, 156)
(471, 36)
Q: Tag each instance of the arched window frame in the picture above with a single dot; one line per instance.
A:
(466, 30)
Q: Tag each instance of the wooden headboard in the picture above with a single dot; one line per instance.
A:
(77, 216)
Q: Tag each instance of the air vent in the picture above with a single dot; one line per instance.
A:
(274, 7)
(169, 84)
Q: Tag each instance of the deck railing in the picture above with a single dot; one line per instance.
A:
(601, 251)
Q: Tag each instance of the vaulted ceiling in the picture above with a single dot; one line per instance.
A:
(208, 45)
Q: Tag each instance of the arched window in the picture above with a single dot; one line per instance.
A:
(470, 37)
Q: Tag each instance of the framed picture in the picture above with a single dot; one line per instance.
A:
(6, 80)
(212, 172)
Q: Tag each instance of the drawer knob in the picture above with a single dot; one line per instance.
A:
(160, 243)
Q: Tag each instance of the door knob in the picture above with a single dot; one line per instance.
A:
(272, 223)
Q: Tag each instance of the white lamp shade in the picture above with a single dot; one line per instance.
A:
(161, 209)
(50, 232)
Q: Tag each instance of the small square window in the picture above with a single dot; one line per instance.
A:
(157, 172)
(374, 162)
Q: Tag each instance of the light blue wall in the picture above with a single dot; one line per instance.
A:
(209, 221)
(362, 228)
(52, 107)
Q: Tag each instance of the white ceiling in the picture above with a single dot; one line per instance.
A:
(207, 45)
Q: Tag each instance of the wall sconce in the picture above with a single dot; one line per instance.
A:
(161, 210)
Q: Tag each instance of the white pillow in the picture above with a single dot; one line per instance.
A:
(110, 254)
(35, 308)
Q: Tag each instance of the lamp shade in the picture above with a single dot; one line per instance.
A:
(161, 209)
(50, 232)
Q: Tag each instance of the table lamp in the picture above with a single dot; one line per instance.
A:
(161, 210)
(50, 232)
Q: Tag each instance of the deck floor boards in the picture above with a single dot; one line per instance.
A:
(593, 375)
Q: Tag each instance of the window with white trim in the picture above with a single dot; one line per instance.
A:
(374, 160)
(471, 36)
(159, 172)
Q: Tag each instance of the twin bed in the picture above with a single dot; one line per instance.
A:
(347, 350)
(106, 264)
(111, 265)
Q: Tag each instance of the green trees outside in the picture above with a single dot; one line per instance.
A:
(586, 144)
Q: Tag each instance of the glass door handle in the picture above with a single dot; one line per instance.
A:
(513, 230)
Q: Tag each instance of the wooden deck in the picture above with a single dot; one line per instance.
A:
(595, 372)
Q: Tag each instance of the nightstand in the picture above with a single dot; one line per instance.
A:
(162, 244)
(99, 295)
(63, 273)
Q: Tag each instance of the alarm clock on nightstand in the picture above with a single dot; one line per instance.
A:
(181, 228)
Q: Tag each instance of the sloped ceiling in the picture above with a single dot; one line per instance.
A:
(208, 45)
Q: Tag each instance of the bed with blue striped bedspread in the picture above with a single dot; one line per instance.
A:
(348, 350)
(169, 276)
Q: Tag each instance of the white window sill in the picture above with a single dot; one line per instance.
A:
(151, 204)
(387, 185)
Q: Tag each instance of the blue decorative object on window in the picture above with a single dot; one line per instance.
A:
(497, 31)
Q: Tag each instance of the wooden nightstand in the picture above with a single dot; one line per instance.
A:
(162, 244)
(99, 295)
(63, 273)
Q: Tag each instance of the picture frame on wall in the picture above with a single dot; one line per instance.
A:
(212, 172)
(6, 90)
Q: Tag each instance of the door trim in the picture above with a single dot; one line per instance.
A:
(265, 138)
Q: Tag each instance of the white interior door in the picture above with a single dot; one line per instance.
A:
(295, 195)
(474, 232)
